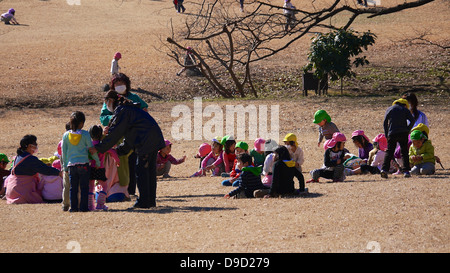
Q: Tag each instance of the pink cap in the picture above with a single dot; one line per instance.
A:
(259, 144)
(117, 55)
(328, 142)
(167, 142)
(204, 149)
(382, 141)
(360, 133)
(339, 137)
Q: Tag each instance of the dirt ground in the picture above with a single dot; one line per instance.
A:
(62, 53)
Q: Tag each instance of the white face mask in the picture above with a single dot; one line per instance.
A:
(109, 106)
(121, 89)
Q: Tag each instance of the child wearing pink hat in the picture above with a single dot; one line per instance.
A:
(213, 161)
(363, 144)
(164, 160)
(376, 157)
(258, 152)
(115, 63)
(333, 160)
(203, 151)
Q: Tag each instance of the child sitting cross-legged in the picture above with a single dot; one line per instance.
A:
(250, 179)
(421, 154)
(333, 160)
(241, 147)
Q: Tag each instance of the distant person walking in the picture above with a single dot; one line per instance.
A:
(241, 2)
(289, 13)
(180, 7)
(115, 63)
(8, 17)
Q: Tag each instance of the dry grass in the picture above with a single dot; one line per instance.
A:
(68, 56)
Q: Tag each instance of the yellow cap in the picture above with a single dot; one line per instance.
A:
(402, 101)
(291, 137)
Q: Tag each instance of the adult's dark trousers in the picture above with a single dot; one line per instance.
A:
(146, 180)
(132, 166)
(402, 140)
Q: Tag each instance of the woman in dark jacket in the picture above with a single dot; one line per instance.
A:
(143, 135)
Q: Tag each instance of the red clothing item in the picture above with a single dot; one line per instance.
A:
(227, 161)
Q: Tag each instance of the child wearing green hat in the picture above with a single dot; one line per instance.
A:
(229, 144)
(240, 148)
(326, 127)
(3, 172)
(421, 154)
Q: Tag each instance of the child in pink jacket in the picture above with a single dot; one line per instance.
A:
(213, 161)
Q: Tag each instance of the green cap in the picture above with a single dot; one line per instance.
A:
(417, 135)
(4, 158)
(242, 145)
(321, 115)
(225, 139)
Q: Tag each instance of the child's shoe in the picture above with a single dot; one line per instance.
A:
(406, 174)
(399, 172)
(384, 174)
(312, 180)
(104, 208)
(101, 200)
(199, 173)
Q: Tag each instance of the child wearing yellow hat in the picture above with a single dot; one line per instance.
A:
(396, 130)
(421, 154)
(326, 127)
(290, 141)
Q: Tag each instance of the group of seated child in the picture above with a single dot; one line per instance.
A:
(339, 162)
(267, 170)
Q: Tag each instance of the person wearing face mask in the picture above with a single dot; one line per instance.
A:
(141, 133)
(21, 185)
(122, 85)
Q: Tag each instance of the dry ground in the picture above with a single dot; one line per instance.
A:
(402, 215)
(63, 54)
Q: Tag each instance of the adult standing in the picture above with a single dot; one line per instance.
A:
(21, 185)
(141, 133)
(396, 129)
(419, 116)
(122, 85)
